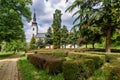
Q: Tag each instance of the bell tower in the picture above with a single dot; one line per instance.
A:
(34, 25)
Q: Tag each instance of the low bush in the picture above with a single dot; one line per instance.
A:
(109, 58)
(48, 62)
(5, 54)
(27, 71)
(98, 59)
(98, 62)
(37, 60)
(78, 69)
(53, 65)
(59, 54)
(114, 73)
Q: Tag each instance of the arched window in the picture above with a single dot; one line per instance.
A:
(33, 29)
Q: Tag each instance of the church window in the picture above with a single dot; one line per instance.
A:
(33, 29)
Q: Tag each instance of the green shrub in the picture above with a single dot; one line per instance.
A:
(30, 72)
(36, 60)
(114, 73)
(49, 63)
(98, 59)
(109, 58)
(98, 62)
(75, 56)
(59, 54)
(78, 69)
(5, 54)
(53, 66)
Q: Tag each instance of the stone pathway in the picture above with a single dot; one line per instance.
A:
(8, 69)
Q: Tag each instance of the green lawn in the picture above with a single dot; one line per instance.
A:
(5, 54)
(30, 72)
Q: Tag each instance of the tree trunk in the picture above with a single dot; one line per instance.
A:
(65, 46)
(74, 45)
(86, 45)
(108, 37)
(93, 45)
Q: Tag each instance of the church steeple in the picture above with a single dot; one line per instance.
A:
(34, 16)
(34, 24)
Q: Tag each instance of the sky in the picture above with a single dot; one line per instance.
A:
(44, 13)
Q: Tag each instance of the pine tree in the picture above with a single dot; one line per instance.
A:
(56, 29)
(32, 43)
(64, 35)
(48, 39)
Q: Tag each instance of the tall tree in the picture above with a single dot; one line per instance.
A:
(48, 39)
(56, 29)
(64, 35)
(11, 13)
(33, 43)
(100, 12)
(40, 43)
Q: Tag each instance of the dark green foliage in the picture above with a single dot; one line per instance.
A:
(102, 13)
(53, 66)
(48, 39)
(98, 62)
(30, 72)
(56, 29)
(64, 36)
(11, 25)
(109, 58)
(59, 54)
(90, 35)
(33, 43)
(40, 43)
(16, 45)
(49, 63)
(114, 73)
(77, 69)
(73, 37)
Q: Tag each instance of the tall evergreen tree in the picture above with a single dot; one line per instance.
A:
(74, 36)
(64, 35)
(56, 29)
(100, 12)
(48, 38)
(33, 43)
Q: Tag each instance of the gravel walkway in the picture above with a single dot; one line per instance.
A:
(8, 69)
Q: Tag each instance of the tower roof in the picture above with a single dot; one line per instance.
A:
(34, 18)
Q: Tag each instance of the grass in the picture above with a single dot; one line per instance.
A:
(30, 72)
(5, 54)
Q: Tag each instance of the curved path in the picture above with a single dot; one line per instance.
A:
(8, 69)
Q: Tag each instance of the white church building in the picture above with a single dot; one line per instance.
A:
(41, 36)
(35, 29)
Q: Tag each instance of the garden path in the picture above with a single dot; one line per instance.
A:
(8, 68)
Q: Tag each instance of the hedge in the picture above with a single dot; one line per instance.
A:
(98, 59)
(78, 69)
(48, 62)
(114, 73)
(82, 66)
(60, 54)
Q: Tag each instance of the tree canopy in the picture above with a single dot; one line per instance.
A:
(11, 14)
(56, 28)
(103, 13)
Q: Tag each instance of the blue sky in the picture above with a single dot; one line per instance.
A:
(44, 12)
